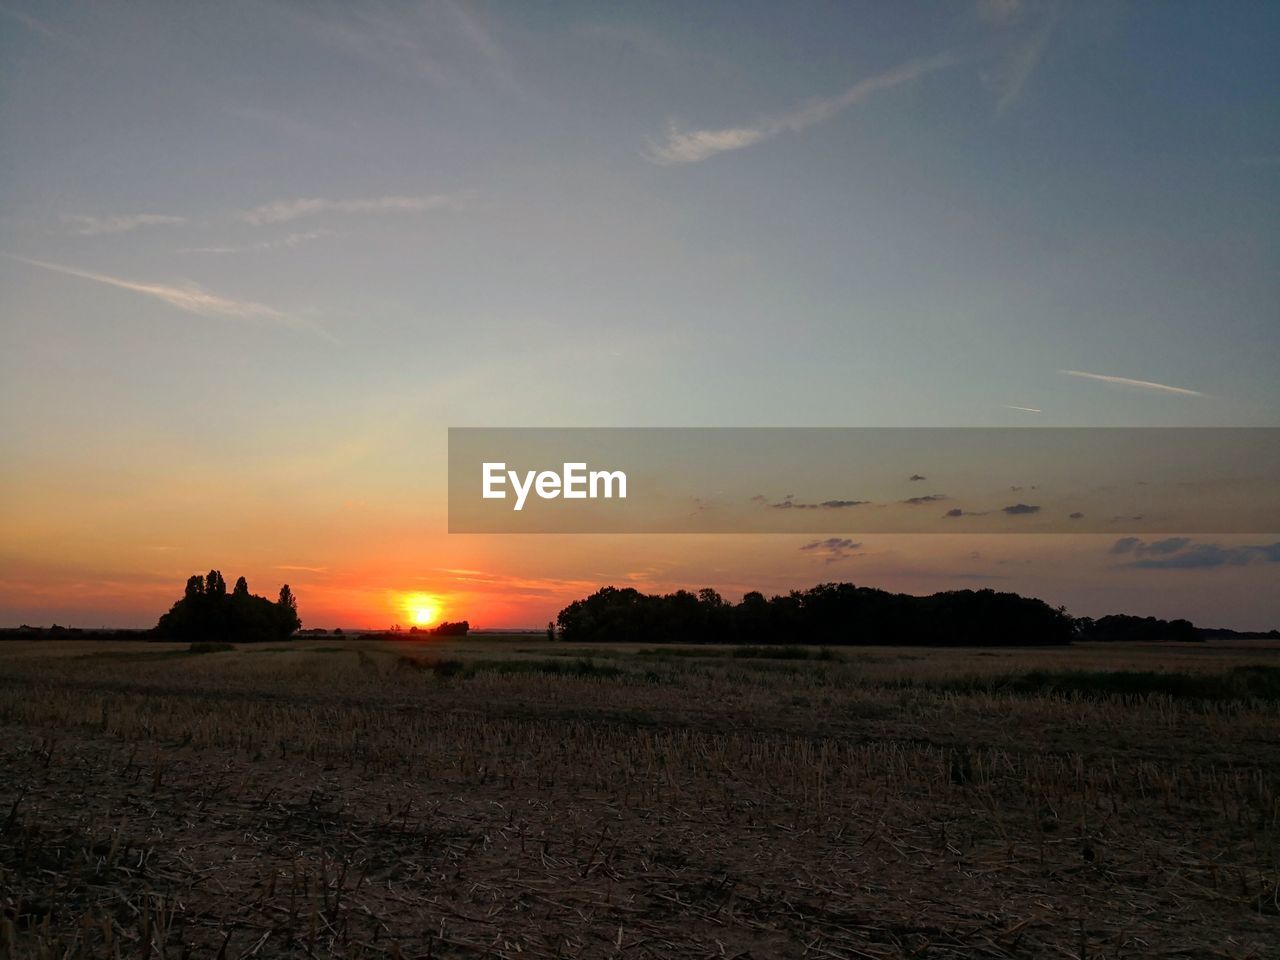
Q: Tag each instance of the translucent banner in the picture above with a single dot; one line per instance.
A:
(864, 480)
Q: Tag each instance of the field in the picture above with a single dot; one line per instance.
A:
(517, 798)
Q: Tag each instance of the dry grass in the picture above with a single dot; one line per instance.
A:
(516, 798)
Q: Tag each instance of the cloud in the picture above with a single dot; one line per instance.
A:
(1128, 382)
(280, 211)
(919, 501)
(1023, 59)
(397, 43)
(957, 512)
(285, 242)
(789, 503)
(482, 41)
(832, 549)
(1125, 545)
(189, 298)
(692, 146)
(1159, 548)
(916, 476)
(1014, 406)
(86, 226)
(1075, 516)
(1181, 553)
(1166, 546)
(1020, 509)
(443, 42)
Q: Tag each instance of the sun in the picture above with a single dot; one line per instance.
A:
(420, 608)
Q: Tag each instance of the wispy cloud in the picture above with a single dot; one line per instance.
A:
(281, 211)
(86, 226)
(1129, 382)
(1181, 553)
(1014, 406)
(444, 42)
(482, 40)
(691, 146)
(190, 297)
(832, 549)
(285, 242)
(921, 501)
(1020, 65)
(379, 39)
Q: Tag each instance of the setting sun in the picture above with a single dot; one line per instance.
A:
(420, 608)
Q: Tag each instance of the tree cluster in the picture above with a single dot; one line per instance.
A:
(207, 612)
(445, 629)
(1122, 627)
(830, 613)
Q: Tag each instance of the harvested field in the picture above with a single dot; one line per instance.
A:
(517, 798)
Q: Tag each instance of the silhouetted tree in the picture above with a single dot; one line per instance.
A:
(288, 610)
(447, 629)
(207, 613)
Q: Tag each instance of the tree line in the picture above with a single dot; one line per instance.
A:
(842, 613)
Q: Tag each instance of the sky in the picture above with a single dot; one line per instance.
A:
(257, 257)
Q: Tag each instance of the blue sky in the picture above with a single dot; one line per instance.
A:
(261, 238)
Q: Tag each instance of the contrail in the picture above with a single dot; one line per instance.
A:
(190, 298)
(1129, 382)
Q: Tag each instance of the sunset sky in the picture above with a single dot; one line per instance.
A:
(257, 257)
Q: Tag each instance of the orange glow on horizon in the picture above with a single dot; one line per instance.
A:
(421, 609)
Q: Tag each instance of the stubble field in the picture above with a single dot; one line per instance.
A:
(517, 798)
